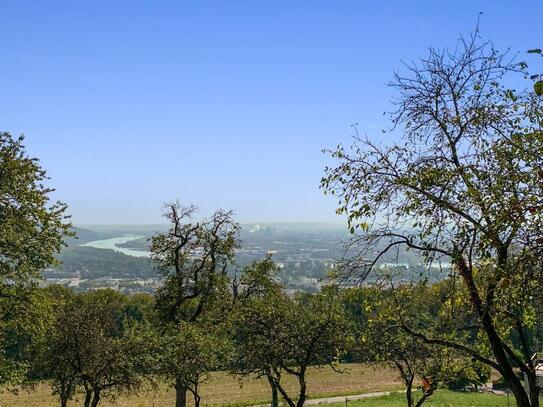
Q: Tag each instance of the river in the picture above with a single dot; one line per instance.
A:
(112, 243)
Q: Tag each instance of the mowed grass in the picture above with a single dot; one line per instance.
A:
(442, 398)
(224, 390)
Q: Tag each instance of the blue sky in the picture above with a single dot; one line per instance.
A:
(130, 104)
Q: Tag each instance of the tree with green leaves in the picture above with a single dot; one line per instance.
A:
(32, 231)
(25, 322)
(186, 355)
(537, 78)
(258, 280)
(48, 360)
(275, 336)
(91, 348)
(384, 341)
(464, 185)
(194, 258)
(32, 227)
(256, 287)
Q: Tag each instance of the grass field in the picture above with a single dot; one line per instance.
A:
(442, 398)
(223, 390)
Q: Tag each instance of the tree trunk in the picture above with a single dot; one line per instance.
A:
(285, 395)
(534, 396)
(408, 377)
(63, 394)
(539, 325)
(303, 388)
(493, 337)
(424, 397)
(196, 395)
(507, 371)
(197, 399)
(88, 397)
(275, 395)
(180, 395)
(96, 398)
(534, 389)
(409, 393)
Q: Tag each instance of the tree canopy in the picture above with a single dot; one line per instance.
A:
(32, 227)
(463, 186)
(32, 231)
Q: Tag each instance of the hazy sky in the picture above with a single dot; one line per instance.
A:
(129, 104)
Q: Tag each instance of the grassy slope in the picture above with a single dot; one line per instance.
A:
(442, 398)
(222, 389)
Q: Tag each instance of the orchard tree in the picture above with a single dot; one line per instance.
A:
(186, 355)
(276, 336)
(24, 325)
(194, 258)
(89, 348)
(47, 353)
(257, 289)
(463, 184)
(32, 229)
(431, 366)
(258, 280)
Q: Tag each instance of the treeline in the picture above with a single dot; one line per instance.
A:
(102, 344)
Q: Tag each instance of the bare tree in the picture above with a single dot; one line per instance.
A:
(464, 185)
(194, 259)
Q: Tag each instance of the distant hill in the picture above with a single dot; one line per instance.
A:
(91, 263)
(82, 236)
